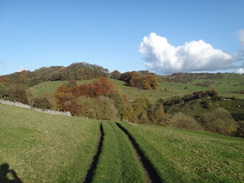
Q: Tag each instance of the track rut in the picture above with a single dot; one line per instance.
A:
(149, 170)
(93, 166)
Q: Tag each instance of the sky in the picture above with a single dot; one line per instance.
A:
(162, 36)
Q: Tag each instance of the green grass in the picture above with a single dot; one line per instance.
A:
(117, 162)
(43, 88)
(132, 92)
(50, 87)
(196, 109)
(225, 86)
(190, 156)
(46, 148)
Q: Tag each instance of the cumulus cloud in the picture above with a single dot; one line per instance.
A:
(194, 56)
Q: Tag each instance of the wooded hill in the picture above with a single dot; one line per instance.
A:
(203, 101)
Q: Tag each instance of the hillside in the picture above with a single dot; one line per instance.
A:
(46, 148)
(142, 97)
(230, 85)
(49, 148)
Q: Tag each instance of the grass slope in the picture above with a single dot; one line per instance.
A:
(190, 156)
(117, 162)
(50, 87)
(46, 148)
(226, 86)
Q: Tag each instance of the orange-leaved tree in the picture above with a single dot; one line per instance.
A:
(62, 95)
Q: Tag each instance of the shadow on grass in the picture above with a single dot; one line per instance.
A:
(6, 173)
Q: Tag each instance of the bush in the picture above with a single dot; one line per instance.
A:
(240, 130)
(219, 121)
(98, 108)
(144, 82)
(41, 102)
(137, 111)
(180, 120)
(119, 103)
(156, 114)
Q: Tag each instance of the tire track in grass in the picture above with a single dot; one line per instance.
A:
(147, 166)
(93, 165)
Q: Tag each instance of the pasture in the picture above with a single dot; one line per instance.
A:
(49, 148)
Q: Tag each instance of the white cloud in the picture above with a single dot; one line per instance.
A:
(22, 69)
(194, 56)
(241, 37)
(240, 71)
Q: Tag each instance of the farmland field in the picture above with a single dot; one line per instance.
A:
(190, 156)
(48, 148)
(117, 162)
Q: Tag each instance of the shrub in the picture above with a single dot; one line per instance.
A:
(144, 82)
(41, 102)
(119, 103)
(219, 121)
(180, 120)
(240, 130)
(137, 111)
(143, 118)
(98, 108)
(156, 114)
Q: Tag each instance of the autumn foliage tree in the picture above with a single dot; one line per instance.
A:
(100, 87)
(115, 74)
(144, 82)
(139, 80)
(102, 93)
(63, 95)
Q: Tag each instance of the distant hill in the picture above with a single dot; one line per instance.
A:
(76, 71)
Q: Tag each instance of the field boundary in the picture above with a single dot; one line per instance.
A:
(147, 165)
(25, 106)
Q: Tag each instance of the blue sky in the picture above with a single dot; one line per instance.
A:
(124, 35)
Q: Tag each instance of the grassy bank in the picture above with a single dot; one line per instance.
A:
(190, 156)
(46, 148)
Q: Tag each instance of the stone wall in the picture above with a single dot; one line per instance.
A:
(18, 104)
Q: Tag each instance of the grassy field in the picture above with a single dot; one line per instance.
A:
(117, 162)
(50, 87)
(46, 148)
(190, 156)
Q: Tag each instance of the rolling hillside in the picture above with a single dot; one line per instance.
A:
(230, 85)
(48, 148)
